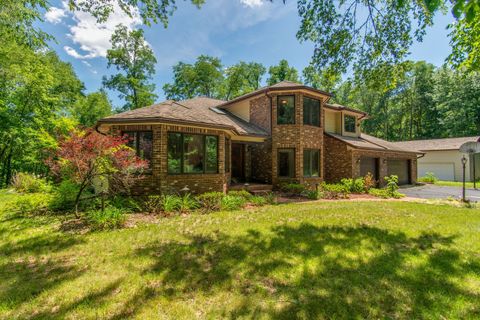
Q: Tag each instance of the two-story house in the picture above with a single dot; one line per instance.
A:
(287, 132)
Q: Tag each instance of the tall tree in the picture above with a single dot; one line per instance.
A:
(324, 80)
(134, 58)
(89, 109)
(242, 78)
(281, 72)
(203, 78)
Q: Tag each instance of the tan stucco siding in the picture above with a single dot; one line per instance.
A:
(333, 121)
(241, 109)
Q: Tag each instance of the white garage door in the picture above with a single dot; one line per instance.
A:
(443, 171)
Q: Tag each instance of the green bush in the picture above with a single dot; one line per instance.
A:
(311, 194)
(187, 203)
(240, 193)
(333, 191)
(271, 198)
(110, 218)
(35, 203)
(230, 203)
(392, 184)
(293, 188)
(385, 194)
(29, 183)
(354, 185)
(258, 201)
(125, 203)
(64, 195)
(369, 181)
(428, 178)
(210, 201)
(170, 203)
(153, 204)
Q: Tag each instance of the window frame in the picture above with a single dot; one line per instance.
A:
(294, 163)
(182, 158)
(345, 123)
(137, 143)
(278, 109)
(310, 123)
(310, 160)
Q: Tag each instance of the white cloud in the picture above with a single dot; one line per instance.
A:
(86, 63)
(252, 3)
(55, 15)
(94, 38)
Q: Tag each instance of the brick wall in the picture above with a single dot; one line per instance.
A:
(159, 181)
(260, 114)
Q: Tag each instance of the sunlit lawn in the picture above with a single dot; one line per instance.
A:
(456, 184)
(378, 260)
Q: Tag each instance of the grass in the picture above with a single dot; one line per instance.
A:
(318, 260)
(456, 184)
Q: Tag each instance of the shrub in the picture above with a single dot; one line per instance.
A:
(270, 197)
(293, 188)
(126, 203)
(428, 178)
(368, 182)
(110, 218)
(170, 203)
(153, 204)
(64, 195)
(187, 203)
(385, 194)
(230, 203)
(354, 185)
(32, 203)
(29, 183)
(258, 201)
(392, 183)
(311, 194)
(333, 191)
(210, 201)
(240, 193)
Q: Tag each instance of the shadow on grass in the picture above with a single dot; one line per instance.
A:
(314, 272)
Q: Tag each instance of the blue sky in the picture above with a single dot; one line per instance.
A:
(233, 30)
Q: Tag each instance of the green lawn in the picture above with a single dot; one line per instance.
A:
(456, 184)
(318, 260)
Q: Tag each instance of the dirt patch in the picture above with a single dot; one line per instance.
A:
(135, 219)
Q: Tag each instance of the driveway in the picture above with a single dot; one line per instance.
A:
(430, 191)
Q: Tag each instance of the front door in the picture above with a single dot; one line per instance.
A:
(238, 162)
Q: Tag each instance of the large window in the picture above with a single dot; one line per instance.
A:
(311, 162)
(286, 163)
(192, 153)
(311, 111)
(349, 124)
(286, 110)
(141, 142)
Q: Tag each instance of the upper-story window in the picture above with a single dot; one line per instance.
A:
(141, 142)
(286, 110)
(311, 111)
(349, 124)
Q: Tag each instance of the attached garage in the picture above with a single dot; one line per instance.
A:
(400, 168)
(369, 165)
(443, 171)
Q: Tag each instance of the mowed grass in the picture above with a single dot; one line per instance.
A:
(456, 184)
(389, 260)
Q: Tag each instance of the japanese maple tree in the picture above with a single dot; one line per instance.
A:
(85, 156)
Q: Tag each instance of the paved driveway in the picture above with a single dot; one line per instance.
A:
(430, 191)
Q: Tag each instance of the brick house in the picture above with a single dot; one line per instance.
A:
(286, 132)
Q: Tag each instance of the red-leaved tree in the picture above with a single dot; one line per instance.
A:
(88, 155)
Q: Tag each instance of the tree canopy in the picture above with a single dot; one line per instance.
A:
(134, 58)
(281, 72)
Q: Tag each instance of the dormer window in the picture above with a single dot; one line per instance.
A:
(349, 124)
(286, 110)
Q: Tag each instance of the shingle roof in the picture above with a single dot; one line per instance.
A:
(200, 110)
(282, 85)
(436, 144)
(340, 107)
(366, 141)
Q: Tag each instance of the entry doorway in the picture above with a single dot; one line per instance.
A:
(238, 162)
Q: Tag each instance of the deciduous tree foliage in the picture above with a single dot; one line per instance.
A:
(207, 77)
(131, 55)
(281, 72)
(419, 101)
(92, 107)
(84, 156)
